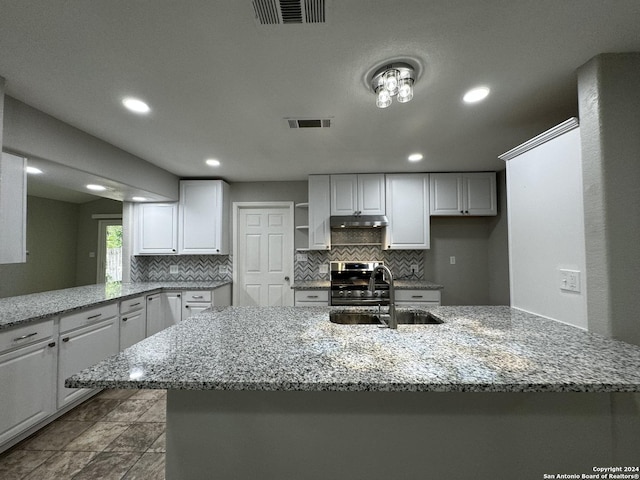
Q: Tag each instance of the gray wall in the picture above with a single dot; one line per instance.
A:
(480, 275)
(52, 232)
(609, 102)
(30, 132)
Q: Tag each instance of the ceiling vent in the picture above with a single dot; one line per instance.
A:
(277, 12)
(309, 122)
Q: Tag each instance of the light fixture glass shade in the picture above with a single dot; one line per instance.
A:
(405, 91)
(383, 99)
(390, 79)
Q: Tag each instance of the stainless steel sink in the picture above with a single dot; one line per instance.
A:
(408, 317)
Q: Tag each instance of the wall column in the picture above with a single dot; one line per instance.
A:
(609, 105)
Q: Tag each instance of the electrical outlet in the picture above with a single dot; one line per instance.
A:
(301, 257)
(323, 269)
(222, 269)
(570, 280)
(414, 268)
(173, 269)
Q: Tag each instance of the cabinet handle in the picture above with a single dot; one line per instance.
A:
(466, 211)
(186, 306)
(462, 211)
(312, 296)
(65, 339)
(173, 249)
(178, 295)
(25, 336)
(51, 345)
(124, 319)
(417, 296)
(94, 316)
(197, 296)
(135, 304)
(150, 298)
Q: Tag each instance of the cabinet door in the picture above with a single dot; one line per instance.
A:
(371, 194)
(172, 306)
(408, 211)
(132, 328)
(13, 208)
(479, 193)
(28, 393)
(201, 217)
(190, 309)
(155, 321)
(319, 212)
(446, 194)
(82, 348)
(221, 296)
(157, 228)
(344, 194)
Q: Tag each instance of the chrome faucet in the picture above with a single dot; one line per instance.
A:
(393, 321)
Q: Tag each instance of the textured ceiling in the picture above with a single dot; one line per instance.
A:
(221, 85)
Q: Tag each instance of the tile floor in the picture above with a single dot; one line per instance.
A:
(116, 435)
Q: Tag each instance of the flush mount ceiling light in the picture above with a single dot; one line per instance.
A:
(415, 157)
(138, 199)
(476, 94)
(96, 188)
(393, 80)
(212, 162)
(136, 105)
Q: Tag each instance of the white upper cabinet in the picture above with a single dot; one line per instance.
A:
(408, 211)
(319, 212)
(204, 217)
(13, 208)
(157, 226)
(459, 194)
(358, 194)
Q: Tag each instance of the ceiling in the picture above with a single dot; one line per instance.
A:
(220, 85)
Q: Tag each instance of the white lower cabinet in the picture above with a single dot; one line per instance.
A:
(195, 302)
(311, 298)
(86, 338)
(132, 321)
(28, 378)
(155, 321)
(417, 298)
(172, 307)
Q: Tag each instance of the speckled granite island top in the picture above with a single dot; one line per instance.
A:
(476, 349)
(35, 306)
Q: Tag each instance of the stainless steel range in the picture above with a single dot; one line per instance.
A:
(350, 284)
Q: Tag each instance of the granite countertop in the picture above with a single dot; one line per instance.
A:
(400, 284)
(476, 349)
(36, 306)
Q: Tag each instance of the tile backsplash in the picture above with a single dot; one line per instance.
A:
(358, 245)
(191, 268)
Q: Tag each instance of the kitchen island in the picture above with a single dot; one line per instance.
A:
(284, 393)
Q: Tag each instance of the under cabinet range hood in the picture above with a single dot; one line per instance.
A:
(358, 221)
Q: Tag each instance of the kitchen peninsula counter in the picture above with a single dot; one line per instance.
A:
(476, 349)
(36, 306)
(282, 392)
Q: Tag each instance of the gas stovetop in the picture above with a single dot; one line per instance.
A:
(350, 284)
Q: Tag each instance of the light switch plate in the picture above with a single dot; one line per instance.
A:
(569, 280)
(301, 257)
(173, 269)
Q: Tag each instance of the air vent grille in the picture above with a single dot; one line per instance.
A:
(309, 122)
(277, 12)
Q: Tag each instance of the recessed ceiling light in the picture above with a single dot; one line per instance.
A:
(96, 188)
(136, 105)
(212, 162)
(476, 94)
(415, 157)
(33, 170)
(138, 199)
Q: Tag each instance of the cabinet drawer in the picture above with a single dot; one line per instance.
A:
(418, 295)
(85, 317)
(312, 296)
(131, 304)
(197, 296)
(26, 334)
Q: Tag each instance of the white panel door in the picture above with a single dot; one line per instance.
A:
(265, 257)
